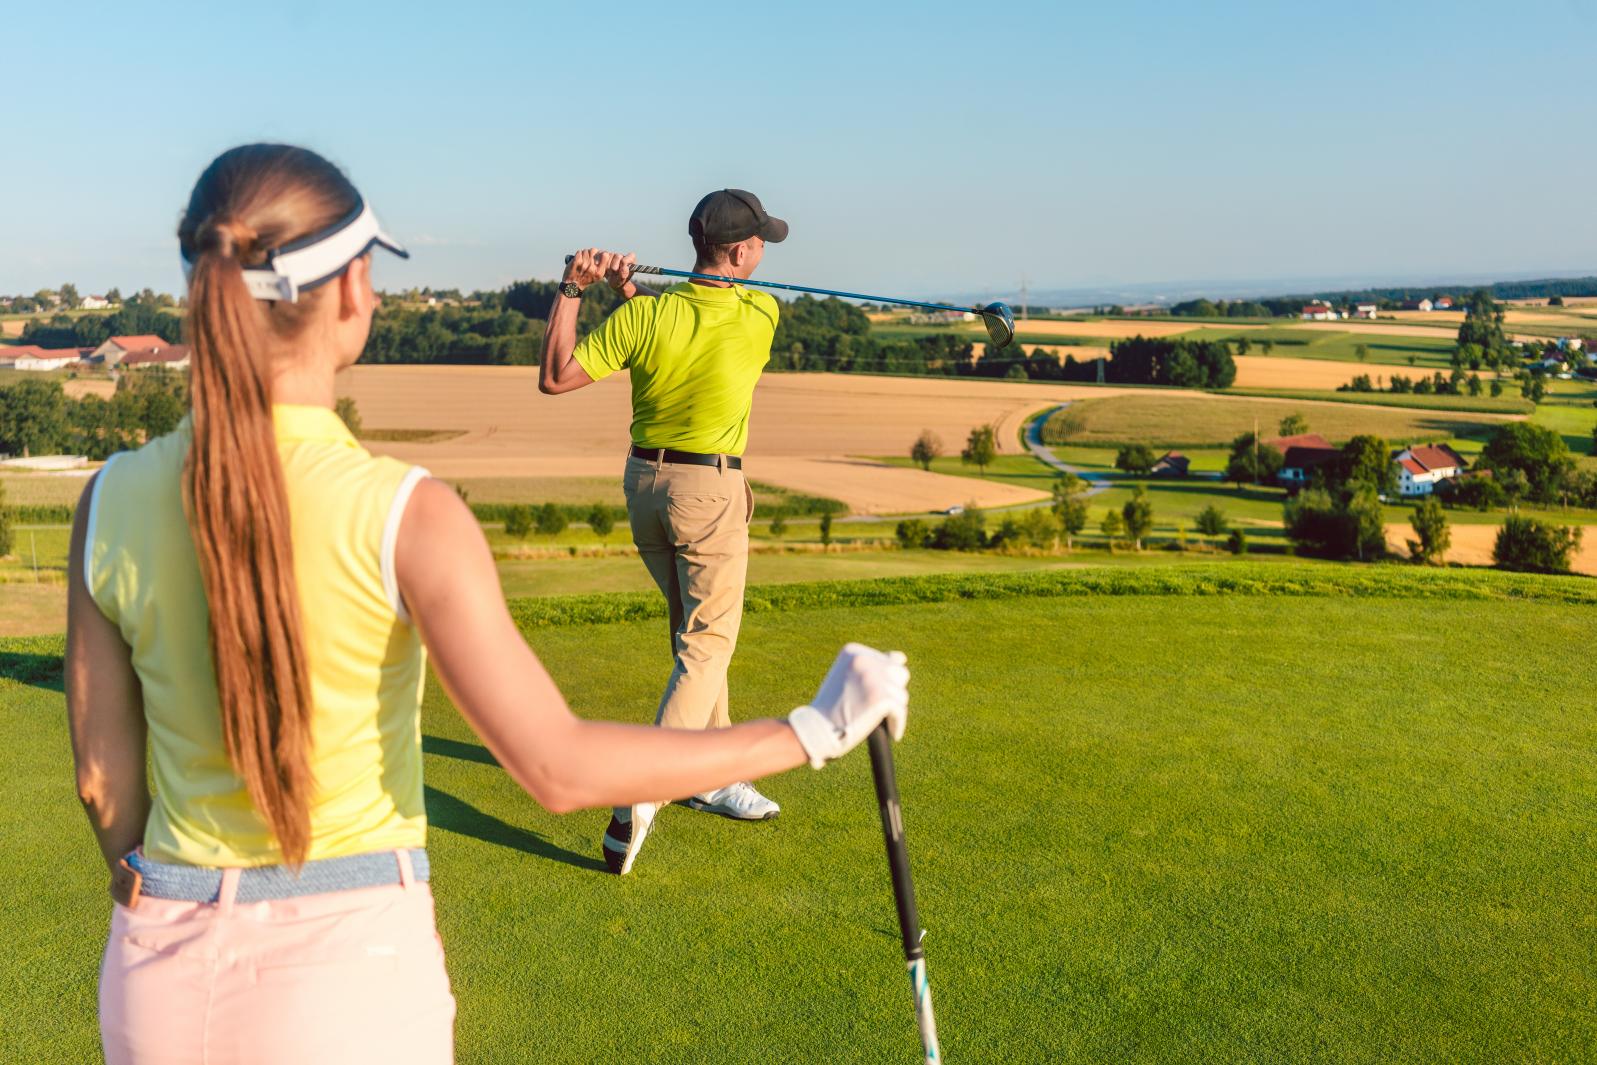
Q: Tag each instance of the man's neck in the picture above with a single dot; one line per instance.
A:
(720, 270)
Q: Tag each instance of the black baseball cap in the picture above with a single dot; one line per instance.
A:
(731, 215)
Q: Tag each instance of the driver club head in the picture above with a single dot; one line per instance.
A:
(1000, 322)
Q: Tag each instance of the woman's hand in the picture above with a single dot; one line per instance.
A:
(863, 688)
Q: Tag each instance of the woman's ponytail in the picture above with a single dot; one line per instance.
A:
(250, 199)
(238, 512)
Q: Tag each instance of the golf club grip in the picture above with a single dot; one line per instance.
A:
(880, 743)
(881, 747)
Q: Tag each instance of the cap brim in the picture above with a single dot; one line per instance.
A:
(391, 244)
(774, 231)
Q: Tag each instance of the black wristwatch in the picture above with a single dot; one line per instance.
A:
(570, 291)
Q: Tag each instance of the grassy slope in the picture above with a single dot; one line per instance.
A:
(1165, 420)
(1277, 847)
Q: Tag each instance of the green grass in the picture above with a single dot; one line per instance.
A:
(1021, 470)
(1428, 354)
(1144, 827)
(1165, 420)
(1505, 404)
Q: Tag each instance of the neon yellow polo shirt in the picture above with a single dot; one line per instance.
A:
(696, 354)
(366, 661)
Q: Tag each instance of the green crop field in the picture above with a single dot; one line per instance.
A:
(1393, 354)
(1165, 825)
(1182, 421)
(1484, 404)
(41, 489)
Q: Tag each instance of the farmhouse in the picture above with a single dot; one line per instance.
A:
(43, 360)
(1418, 305)
(114, 350)
(94, 303)
(1444, 303)
(1170, 464)
(173, 357)
(1301, 455)
(1319, 311)
(1421, 469)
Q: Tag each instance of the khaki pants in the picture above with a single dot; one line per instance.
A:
(691, 525)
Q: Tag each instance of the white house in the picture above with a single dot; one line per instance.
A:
(1421, 469)
(1364, 310)
(45, 359)
(1319, 312)
(94, 303)
(1418, 305)
(1444, 303)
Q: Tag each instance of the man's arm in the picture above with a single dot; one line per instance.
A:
(558, 372)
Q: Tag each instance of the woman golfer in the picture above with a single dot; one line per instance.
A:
(250, 600)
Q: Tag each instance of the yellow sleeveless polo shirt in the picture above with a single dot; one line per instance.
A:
(367, 664)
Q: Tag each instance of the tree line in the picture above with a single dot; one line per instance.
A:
(38, 418)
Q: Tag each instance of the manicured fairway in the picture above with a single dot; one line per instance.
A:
(1144, 828)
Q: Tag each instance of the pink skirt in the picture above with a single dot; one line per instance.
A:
(345, 976)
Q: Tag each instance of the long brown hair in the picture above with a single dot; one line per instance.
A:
(250, 200)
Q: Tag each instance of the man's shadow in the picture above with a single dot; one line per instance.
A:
(456, 815)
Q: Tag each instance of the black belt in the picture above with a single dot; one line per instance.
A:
(665, 454)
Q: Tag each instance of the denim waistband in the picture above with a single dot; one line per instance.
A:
(203, 883)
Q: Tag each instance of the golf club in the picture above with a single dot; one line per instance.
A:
(997, 317)
(881, 747)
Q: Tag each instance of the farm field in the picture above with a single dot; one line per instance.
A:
(804, 432)
(1348, 863)
(1164, 419)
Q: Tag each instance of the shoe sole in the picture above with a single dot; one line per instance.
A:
(706, 808)
(624, 859)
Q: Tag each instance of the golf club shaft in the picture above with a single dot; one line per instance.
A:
(881, 748)
(641, 269)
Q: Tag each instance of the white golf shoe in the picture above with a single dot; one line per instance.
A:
(624, 838)
(738, 801)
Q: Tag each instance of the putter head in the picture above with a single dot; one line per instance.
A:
(1000, 323)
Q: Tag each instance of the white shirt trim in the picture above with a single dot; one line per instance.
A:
(94, 515)
(396, 514)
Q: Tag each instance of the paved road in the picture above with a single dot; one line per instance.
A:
(1099, 482)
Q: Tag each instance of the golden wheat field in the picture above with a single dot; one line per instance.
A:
(808, 430)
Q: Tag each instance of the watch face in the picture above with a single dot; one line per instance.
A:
(570, 290)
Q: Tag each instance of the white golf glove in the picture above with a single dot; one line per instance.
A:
(863, 687)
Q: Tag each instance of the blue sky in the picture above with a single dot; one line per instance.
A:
(915, 148)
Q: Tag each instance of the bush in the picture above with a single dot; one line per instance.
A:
(1211, 521)
(1430, 525)
(1135, 459)
(345, 408)
(826, 529)
(1480, 491)
(960, 532)
(551, 520)
(1530, 546)
(1237, 542)
(1346, 525)
(778, 524)
(5, 524)
(600, 520)
(518, 521)
(912, 532)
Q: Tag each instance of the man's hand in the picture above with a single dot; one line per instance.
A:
(593, 264)
(619, 275)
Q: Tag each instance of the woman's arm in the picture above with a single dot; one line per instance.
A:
(105, 712)
(451, 588)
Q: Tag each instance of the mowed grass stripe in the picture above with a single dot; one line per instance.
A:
(1144, 828)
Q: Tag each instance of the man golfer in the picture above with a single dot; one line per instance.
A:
(695, 352)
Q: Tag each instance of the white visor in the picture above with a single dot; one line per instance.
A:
(303, 264)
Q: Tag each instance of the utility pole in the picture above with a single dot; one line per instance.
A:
(1023, 299)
